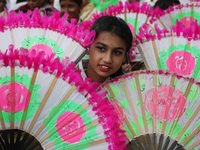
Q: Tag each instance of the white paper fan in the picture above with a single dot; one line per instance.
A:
(52, 34)
(45, 102)
(185, 13)
(162, 110)
(177, 51)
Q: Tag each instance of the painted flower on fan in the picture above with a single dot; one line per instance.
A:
(67, 130)
(102, 4)
(165, 102)
(187, 18)
(133, 25)
(181, 59)
(43, 44)
(17, 93)
(73, 128)
(181, 62)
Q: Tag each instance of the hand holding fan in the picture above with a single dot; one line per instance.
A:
(50, 34)
(47, 100)
(161, 110)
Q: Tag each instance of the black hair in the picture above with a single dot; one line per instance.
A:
(164, 4)
(79, 2)
(119, 27)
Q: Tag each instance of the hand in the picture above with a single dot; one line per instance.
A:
(126, 68)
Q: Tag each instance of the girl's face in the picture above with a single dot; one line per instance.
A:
(71, 8)
(105, 56)
(35, 3)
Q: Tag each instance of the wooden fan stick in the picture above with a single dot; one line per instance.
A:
(28, 99)
(193, 145)
(126, 120)
(171, 18)
(162, 23)
(143, 113)
(186, 94)
(56, 109)
(12, 97)
(125, 15)
(42, 104)
(136, 23)
(53, 130)
(146, 19)
(155, 51)
(141, 103)
(64, 137)
(151, 28)
(181, 12)
(192, 135)
(188, 123)
(166, 112)
(131, 105)
(154, 108)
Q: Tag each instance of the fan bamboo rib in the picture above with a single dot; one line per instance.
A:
(42, 104)
(28, 99)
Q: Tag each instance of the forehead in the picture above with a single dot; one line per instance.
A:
(67, 1)
(110, 39)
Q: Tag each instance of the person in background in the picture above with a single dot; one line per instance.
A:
(72, 7)
(43, 5)
(110, 48)
(164, 4)
(88, 10)
(2, 7)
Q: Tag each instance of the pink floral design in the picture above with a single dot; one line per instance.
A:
(131, 27)
(181, 62)
(119, 111)
(165, 100)
(187, 21)
(40, 47)
(73, 129)
(18, 97)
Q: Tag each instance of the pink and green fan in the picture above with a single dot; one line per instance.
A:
(50, 34)
(135, 14)
(187, 14)
(45, 104)
(161, 110)
(177, 52)
(102, 4)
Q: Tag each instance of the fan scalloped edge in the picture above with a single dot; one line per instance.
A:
(146, 34)
(55, 23)
(102, 106)
(157, 13)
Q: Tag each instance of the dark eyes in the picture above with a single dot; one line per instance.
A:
(103, 49)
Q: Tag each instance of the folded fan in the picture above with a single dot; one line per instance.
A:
(52, 34)
(46, 105)
(161, 110)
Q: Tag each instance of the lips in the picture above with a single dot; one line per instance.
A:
(104, 68)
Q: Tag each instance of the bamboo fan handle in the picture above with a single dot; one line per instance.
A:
(28, 99)
(131, 105)
(155, 51)
(136, 22)
(186, 94)
(154, 108)
(81, 56)
(56, 109)
(171, 18)
(192, 135)
(12, 95)
(126, 120)
(162, 23)
(91, 143)
(194, 145)
(188, 123)
(42, 104)
(47, 135)
(141, 103)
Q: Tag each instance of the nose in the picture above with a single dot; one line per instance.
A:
(107, 58)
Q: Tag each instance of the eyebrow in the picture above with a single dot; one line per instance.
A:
(119, 48)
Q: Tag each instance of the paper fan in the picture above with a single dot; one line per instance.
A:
(185, 13)
(161, 110)
(102, 4)
(52, 34)
(46, 105)
(177, 52)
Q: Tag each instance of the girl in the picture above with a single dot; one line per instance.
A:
(110, 48)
